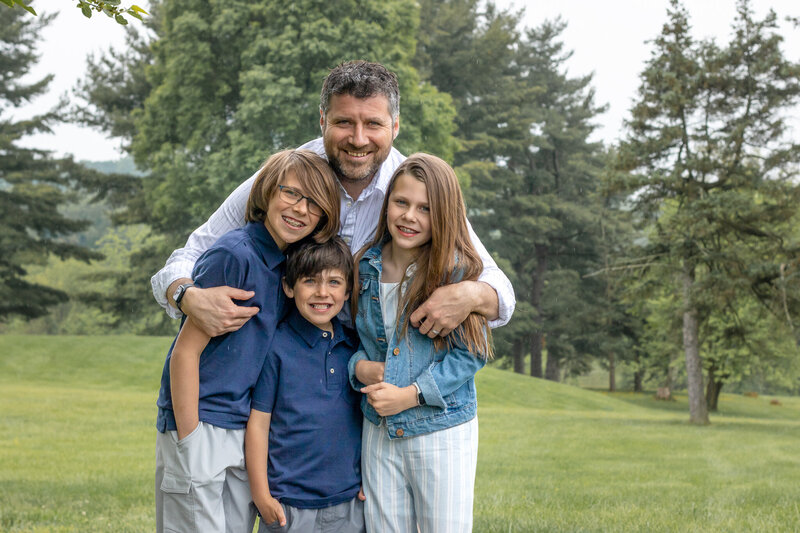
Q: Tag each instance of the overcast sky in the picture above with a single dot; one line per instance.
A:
(608, 38)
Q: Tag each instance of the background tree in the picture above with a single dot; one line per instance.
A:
(532, 172)
(715, 173)
(33, 185)
(219, 86)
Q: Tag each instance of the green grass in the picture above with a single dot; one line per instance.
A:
(77, 444)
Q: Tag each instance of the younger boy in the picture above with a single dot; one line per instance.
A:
(308, 477)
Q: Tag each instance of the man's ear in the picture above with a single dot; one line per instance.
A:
(321, 121)
(288, 291)
(396, 127)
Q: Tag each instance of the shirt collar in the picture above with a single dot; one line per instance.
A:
(311, 334)
(268, 250)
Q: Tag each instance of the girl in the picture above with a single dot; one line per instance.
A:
(420, 434)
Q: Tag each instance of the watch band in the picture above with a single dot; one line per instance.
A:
(179, 294)
(420, 397)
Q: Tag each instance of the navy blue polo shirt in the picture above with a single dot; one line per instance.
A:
(245, 258)
(315, 428)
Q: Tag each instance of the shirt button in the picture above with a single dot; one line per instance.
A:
(349, 203)
(324, 333)
(332, 371)
(347, 240)
(396, 351)
(399, 432)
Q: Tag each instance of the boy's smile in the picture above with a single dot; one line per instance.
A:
(319, 298)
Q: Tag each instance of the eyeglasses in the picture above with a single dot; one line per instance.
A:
(293, 197)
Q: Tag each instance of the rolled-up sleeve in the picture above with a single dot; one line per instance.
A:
(495, 278)
(229, 216)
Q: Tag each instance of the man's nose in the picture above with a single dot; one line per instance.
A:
(359, 136)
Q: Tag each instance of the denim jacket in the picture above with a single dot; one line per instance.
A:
(445, 377)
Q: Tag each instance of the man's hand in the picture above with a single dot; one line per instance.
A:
(388, 399)
(369, 372)
(450, 305)
(213, 310)
(271, 510)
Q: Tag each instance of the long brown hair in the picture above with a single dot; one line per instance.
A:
(447, 258)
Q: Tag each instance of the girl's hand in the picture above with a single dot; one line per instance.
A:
(271, 510)
(369, 372)
(388, 399)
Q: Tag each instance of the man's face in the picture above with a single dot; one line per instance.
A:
(358, 135)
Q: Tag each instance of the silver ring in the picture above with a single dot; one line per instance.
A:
(435, 331)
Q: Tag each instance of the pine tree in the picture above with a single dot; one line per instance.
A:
(533, 171)
(715, 173)
(33, 185)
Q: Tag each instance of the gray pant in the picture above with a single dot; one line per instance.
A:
(347, 517)
(201, 482)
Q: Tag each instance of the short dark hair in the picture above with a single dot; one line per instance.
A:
(307, 259)
(361, 79)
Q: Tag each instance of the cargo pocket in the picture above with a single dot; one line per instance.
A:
(178, 503)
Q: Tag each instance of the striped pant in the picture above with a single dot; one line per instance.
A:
(425, 481)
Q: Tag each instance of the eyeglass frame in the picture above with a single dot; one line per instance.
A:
(313, 207)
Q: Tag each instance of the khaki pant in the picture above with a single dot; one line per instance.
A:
(201, 482)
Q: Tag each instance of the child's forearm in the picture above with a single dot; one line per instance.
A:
(255, 453)
(184, 371)
(185, 382)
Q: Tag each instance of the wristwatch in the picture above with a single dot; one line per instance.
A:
(420, 397)
(179, 293)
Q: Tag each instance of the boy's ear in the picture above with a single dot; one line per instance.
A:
(288, 291)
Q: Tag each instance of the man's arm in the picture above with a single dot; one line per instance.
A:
(184, 373)
(491, 296)
(211, 309)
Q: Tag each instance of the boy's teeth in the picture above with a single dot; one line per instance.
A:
(321, 306)
(293, 223)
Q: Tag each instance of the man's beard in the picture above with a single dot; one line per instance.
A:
(362, 176)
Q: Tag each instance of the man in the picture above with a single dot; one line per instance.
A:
(359, 118)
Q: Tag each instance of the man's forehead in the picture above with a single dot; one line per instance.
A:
(347, 103)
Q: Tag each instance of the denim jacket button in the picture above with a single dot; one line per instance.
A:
(396, 351)
(399, 432)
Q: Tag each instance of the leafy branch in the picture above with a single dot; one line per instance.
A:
(111, 8)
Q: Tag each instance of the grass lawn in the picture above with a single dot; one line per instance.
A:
(77, 443)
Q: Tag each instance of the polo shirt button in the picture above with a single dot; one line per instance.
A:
(399, 432)
(332, 371)
(324, 333)
(396, 351)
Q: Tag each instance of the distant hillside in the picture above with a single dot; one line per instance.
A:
(120, 166)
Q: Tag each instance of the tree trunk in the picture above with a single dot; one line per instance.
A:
(713, 388)
(698, 410)
(552, 369)
(537, 288)
(612, 373)
(638, 376)
(519, 357)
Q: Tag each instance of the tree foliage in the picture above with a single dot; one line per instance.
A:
(715, 174)
(33, 185)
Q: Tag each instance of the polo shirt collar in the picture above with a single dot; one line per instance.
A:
(268, 249)
(311, 334)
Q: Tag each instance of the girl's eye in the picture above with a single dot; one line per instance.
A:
(400, 202)
(425, 209)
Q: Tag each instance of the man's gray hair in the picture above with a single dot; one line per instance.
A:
(361, 79)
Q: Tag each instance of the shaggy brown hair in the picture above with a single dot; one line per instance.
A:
(317, 179)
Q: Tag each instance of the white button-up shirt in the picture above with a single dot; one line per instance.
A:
(359, 220)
